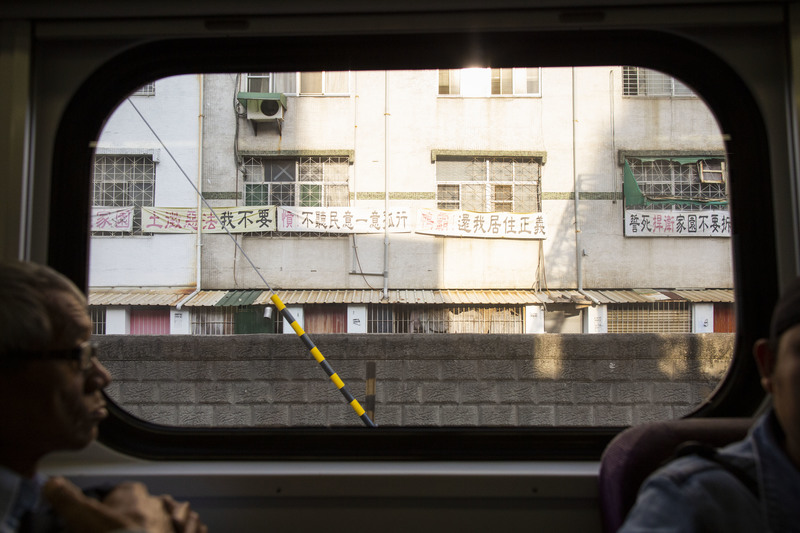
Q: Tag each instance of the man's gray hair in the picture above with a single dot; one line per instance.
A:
(30, 318)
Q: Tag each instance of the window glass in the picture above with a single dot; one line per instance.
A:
(489, 82)
(311, 83)
(285, 82)
(515, 183)
(493, 254)
(259, 82)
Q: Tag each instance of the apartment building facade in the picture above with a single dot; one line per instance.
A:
(524, 200)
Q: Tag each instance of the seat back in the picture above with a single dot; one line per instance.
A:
(638, 451)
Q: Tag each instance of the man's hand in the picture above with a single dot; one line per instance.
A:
(128, 506)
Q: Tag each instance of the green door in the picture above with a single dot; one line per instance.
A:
(251, 320)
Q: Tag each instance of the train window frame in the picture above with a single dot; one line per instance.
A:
(734, 107)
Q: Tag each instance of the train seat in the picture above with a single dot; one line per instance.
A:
(638, 451)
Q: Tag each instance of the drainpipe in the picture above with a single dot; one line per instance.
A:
(579, 251)
(356, 266)
(354, 251)
(611, 119)
(386, 189)
(199, 236)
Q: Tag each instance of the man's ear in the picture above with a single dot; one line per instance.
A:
(765, 359)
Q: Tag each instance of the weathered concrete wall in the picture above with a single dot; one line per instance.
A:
(439, 380)
(575, 133)
(163, 260)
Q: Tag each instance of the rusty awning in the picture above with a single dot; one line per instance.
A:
(207, 298)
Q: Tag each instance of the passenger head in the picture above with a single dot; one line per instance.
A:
(778, 361)
(30, 318)
(50, 381)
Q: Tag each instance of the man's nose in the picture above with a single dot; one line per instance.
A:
(98, 376)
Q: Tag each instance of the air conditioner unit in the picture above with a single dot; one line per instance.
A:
(263, 107)
(264, 110)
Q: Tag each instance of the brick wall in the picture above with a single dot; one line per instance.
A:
(272, 380)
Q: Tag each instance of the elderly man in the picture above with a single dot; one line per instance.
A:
(51, 396)
(752, 485)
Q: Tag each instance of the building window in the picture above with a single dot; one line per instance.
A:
(444, 319)
(489, 184)
(148, 89)
(213, 320)
(302, 182)
(515, 81)
(124, 181)
(678, 183)
(303, 83)
(450, 81)
(637, 81)
(98, 316)
(490, 82)
(657, 317)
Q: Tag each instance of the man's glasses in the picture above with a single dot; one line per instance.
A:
(85, 355)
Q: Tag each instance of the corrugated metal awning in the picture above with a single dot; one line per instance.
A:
(236, 298)
(710, 295)
(137, 296)
(470, 297)
(171, 297)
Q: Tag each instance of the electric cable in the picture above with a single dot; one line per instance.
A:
(334, 377)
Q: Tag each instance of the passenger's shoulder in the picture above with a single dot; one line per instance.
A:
(730, 471)
(684, 469)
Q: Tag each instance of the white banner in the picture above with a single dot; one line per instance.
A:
(499, 225)
(639, 223)
(246, 219)
(343, 219)
(112, 219)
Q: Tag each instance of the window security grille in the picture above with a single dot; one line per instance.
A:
(489, 184)
(124, 181)
(449, 319)
(637, 81)
(703, 180)
(303, 182)
(658, 317)
(98, 316)
(213, 320)
(145, 90)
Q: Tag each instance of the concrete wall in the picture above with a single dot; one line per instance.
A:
(154, 260)
(437, 380)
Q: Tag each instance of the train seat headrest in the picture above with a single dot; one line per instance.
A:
(638, 451)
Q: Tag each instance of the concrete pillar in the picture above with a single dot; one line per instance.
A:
(297, 313)
(180, 321)
(356, 319)
(595, 319)
(703, 318)
(118, 321)
(534, 319)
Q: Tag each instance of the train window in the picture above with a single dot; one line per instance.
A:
(563, 260)
(482, 254)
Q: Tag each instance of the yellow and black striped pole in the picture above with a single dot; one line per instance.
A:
(322, 362)
(278, 303)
